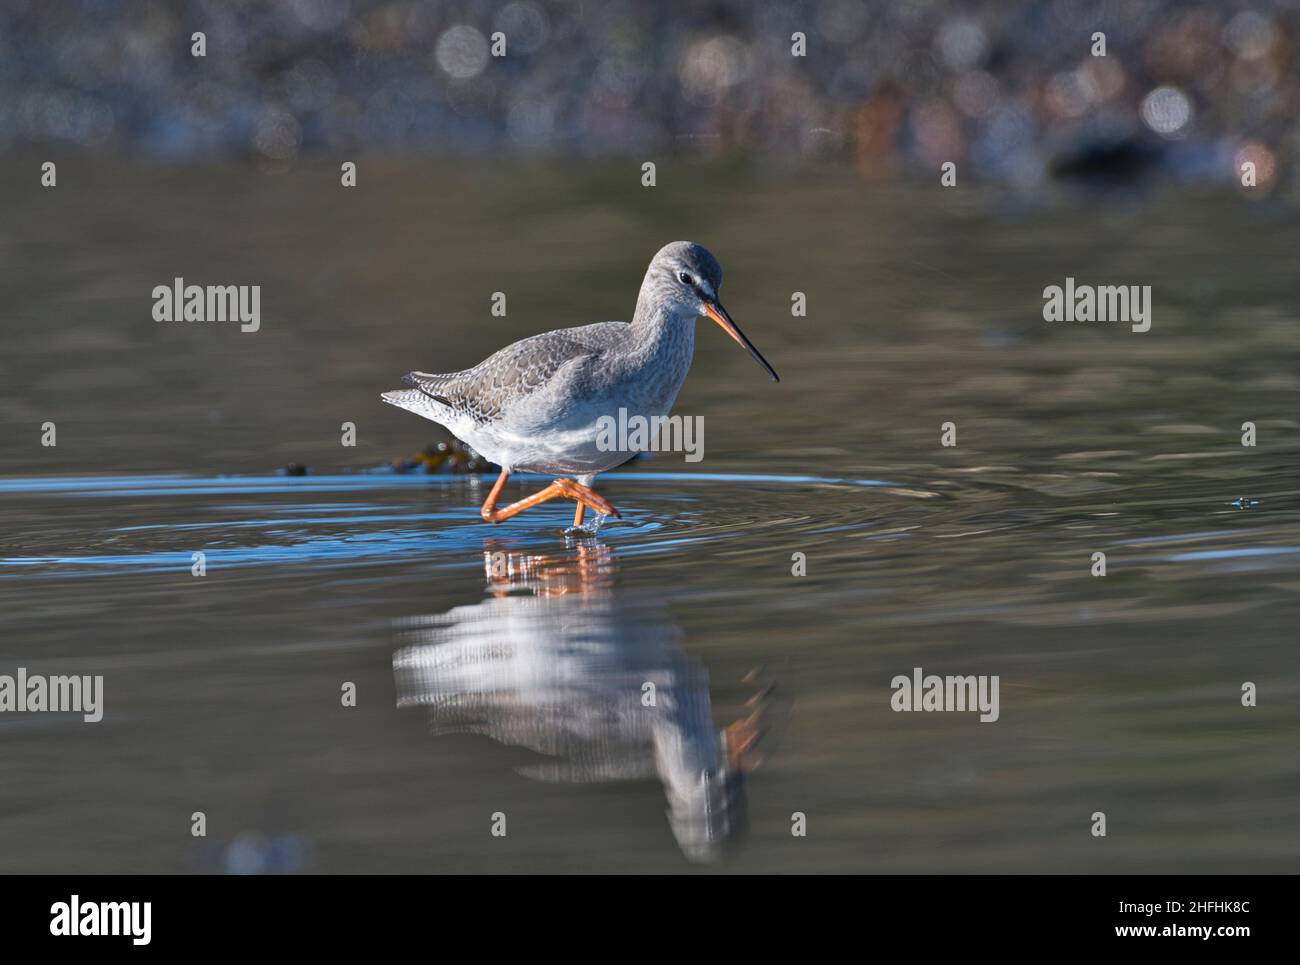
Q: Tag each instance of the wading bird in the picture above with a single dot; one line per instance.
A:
(535, 405)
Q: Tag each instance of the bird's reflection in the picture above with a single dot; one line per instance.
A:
(557, 660)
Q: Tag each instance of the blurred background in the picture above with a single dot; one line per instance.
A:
(1012, 92)
(498, 669)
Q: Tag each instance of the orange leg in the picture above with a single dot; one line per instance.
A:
(578, 514)
(560, 488)
(742, 738)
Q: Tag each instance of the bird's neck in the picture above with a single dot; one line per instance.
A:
(662, 343)
(656, 329)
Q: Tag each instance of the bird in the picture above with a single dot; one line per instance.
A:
(536, 405)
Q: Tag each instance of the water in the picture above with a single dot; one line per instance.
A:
(519, 658)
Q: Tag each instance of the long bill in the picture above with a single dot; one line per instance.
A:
(719, 314)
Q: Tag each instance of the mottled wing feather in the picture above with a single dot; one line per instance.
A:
(516, 371)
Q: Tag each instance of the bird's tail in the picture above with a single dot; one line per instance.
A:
(422, 397)
(413, 400)
(404, 398)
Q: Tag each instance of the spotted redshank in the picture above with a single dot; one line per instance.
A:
(536, 405)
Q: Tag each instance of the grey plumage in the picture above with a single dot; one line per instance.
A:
(535, 404)
(516, 371)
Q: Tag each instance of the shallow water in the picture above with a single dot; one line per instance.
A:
(513, 652)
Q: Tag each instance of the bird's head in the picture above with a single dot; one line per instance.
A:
(685, 277)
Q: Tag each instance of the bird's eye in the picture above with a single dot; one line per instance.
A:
(684, 278)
